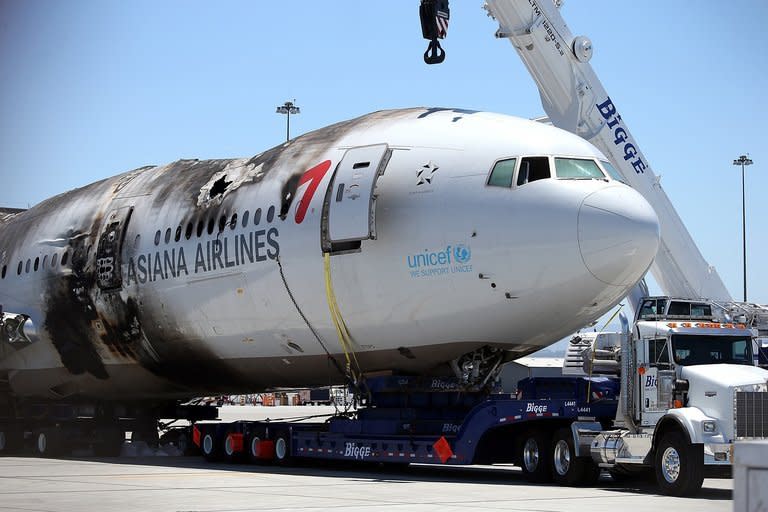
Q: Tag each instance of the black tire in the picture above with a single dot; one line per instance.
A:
(48, 442)
(11, 440)
(567, 468)
(283, 455)
(210, 446)
(535, 459)
(679, 465)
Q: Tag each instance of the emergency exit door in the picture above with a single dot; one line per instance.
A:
(351, 202)
(108, 252)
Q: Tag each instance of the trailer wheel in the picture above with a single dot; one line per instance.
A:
(534, 457)
(254, 441)
(209, 447)
(567, 469)
(229, 449)
(283, 449)
(48, 442)
(11, 440)
(679, 471)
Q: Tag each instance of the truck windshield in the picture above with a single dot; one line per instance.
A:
(691, 349)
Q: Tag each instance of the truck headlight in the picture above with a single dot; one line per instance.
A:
(709, 426)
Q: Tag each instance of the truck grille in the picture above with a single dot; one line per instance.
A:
(751, 414)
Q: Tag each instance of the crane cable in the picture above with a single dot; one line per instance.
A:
(345, 339)
(594, 350)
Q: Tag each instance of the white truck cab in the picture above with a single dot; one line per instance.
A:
(689, 390)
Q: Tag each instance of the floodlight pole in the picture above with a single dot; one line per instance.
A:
(743, 161)
(288, 108)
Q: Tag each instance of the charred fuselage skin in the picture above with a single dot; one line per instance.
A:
(205, 276)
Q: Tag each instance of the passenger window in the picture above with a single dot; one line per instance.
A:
(533, 169)
(578, 169)
(501, 174)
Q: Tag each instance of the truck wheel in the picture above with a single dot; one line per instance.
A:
(48, 442)
(567, 469)
(283, 449)
(679, 472)
(535, 457)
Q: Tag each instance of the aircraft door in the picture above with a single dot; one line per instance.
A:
(108, 260)
(351, 199)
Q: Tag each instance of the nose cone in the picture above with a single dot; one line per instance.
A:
(618, 235)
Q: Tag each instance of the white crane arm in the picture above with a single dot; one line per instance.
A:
(575, 100)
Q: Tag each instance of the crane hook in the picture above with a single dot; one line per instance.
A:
(434, 15)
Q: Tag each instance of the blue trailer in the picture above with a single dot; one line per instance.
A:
(433, 420)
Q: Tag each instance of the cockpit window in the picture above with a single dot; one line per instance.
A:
(577, 169)
(611, 170)
(532, 169)
(501, 175)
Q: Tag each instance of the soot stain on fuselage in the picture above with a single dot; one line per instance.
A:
(70, 314)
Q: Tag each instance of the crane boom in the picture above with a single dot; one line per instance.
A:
(575, 100)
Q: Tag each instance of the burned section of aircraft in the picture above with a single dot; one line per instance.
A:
(230, 276)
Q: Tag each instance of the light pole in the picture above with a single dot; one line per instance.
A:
(743, 161)
(288, 108)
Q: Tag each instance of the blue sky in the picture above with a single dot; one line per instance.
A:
(93, 88)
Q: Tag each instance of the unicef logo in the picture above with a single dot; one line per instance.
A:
(462, 253)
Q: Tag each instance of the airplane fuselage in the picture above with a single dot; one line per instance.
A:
(210, 276)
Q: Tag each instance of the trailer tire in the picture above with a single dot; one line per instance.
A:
(283, 448)
(679, 465)
(210, 447)
(11, 440)
(567, 468)
(254, 440)
(48, 442)
(228, 447)
(535, 457)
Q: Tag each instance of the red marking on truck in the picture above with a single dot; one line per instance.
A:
(196, 436)
(443, 449)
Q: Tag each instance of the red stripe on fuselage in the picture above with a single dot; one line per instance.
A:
(314, 176)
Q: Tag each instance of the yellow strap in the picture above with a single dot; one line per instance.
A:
(345, 339)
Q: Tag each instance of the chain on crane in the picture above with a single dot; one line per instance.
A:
(434, 16)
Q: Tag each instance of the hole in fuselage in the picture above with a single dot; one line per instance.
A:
(219, 186)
